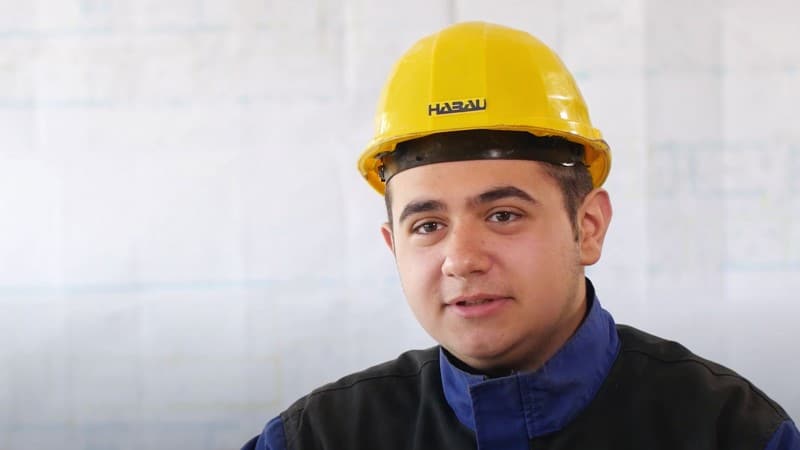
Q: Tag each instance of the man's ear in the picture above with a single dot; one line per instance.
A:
(594, 216)
(386, 231)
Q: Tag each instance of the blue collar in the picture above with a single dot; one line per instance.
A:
(507, 412)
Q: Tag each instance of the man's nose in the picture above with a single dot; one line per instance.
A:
(465, 252)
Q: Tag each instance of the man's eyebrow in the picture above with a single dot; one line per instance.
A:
(489, 196)
(420, 206)
(502, 192)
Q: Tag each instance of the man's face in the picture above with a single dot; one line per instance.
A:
(488, 259)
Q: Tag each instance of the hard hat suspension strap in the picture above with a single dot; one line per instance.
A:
(479, 144)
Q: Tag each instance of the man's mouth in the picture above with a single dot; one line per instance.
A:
(474, 302)
(478, 305)
(477, 299)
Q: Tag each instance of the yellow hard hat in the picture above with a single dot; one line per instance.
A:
(481, 76)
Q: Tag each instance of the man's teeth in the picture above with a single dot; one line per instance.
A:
(475, 302)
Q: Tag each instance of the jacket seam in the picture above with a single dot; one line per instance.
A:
(296, 422)
(370, 378)
(700, 362)
(296, 416)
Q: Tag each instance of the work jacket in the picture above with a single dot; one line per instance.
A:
(608, 387)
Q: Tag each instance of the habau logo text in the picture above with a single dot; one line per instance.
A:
(457, 106)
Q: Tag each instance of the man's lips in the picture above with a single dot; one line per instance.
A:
(476, 306)
(475, 299)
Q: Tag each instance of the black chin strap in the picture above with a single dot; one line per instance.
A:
(479, 144)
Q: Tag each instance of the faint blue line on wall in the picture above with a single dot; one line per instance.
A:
(161, 286)
(56, 33)
(104, 31)
(746, 266)
(162, 103)
(160, 426)
(76, 103)
(181, 29)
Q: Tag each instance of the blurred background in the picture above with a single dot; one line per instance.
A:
(186, 246)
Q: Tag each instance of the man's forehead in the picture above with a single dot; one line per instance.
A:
(467, 178)
(466, 184)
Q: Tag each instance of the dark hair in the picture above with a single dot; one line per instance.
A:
(575, 182)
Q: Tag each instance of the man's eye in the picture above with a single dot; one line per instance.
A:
(427, 227)
(503, 216)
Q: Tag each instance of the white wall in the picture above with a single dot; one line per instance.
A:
(186, 246)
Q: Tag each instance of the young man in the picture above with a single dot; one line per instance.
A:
(491, 172)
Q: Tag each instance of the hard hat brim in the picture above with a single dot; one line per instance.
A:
(597, 159)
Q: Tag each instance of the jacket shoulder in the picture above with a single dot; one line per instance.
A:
(397, 383)
(668, 355)
(408, 365)
(671, 376)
